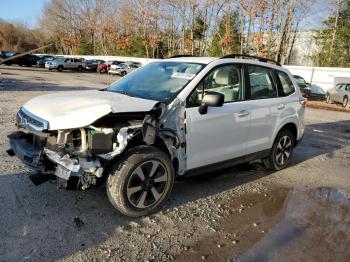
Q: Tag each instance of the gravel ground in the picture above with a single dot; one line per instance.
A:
(241, 214)
(324, 105)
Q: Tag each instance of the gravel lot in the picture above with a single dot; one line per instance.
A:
(244, 213)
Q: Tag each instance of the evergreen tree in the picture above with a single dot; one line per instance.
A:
(226, 38)
(334, 40)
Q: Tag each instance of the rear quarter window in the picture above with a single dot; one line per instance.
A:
(286, 82)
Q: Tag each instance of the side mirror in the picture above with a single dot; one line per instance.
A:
(213, 99)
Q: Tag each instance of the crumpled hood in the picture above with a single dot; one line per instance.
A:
(74, 109)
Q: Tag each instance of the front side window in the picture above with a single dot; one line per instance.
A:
(347, 88)
(261, 81)
(287, 84)
(226, 80)
(160, 81)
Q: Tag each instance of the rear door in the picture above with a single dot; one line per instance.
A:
(265, 107)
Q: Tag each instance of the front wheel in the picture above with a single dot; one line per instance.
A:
(281, 152)
(141, 182)
(345, 101)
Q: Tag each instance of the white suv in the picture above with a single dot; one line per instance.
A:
(175, 117)
(122, 69)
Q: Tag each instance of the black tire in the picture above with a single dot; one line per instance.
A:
(80, 68)
(103, 71)
(123, 73)
(126, 177)
(345, 101)
(328, 99)
(60, 68)
(281, 154)
(50, 69)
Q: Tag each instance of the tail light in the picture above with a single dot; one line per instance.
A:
(303, 101)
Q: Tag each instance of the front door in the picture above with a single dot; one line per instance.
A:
(220, 134)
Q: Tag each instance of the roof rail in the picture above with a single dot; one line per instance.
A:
(261, 59)
(175, 56)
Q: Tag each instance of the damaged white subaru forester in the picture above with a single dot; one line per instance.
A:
(174, 117)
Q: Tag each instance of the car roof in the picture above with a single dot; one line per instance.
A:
(192, 59)
(207, 60)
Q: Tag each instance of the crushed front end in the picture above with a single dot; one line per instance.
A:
(80, 153)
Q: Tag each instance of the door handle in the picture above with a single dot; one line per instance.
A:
(281, 106)
(243, 113)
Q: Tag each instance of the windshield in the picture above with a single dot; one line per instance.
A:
(160, 81)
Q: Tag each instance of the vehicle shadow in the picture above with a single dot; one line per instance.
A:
(43, 223)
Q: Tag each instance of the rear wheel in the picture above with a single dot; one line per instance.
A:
(345, 101)
(123, 73)
(141, 182)
(281, 152)
(60, 68)
(80, 68)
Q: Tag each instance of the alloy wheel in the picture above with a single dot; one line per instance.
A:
(283, 151)
(147, 184)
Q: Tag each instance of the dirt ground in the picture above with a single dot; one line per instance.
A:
(244, 213)
(326, 106)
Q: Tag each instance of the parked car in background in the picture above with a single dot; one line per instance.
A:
(104, 67)
(26, 60)
(339, 94)
(6, 54)
(303, 85)
(63, 63)
(122, 69)
(43, 59)
(91, 65)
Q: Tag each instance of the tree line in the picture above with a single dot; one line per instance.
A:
(162, 28)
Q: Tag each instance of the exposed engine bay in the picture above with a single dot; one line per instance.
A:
(85, 153)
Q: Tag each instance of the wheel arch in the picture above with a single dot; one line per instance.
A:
(290, 126)
(138, 141)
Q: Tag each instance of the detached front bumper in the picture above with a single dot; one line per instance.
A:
(25, 151)
(48, 161)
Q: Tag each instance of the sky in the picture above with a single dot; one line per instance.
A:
(24, 11)
(29, 11)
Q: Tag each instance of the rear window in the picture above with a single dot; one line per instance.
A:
(287, 84)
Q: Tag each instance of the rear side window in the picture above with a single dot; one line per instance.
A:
(262, 83)
(347, 88)
(287, 84)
